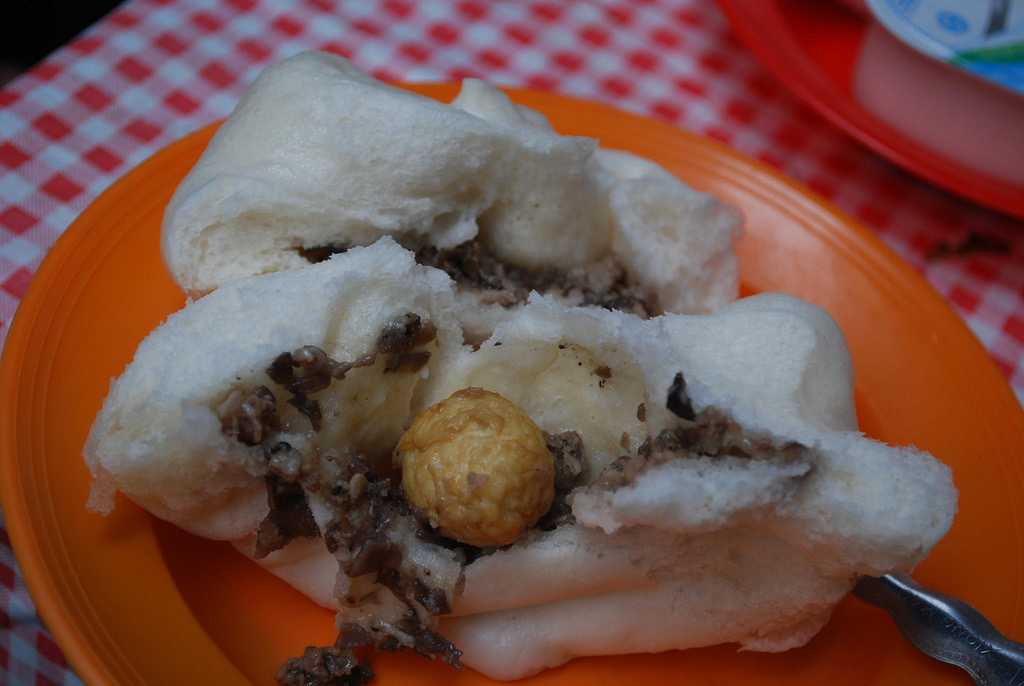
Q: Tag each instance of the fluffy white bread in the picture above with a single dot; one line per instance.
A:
(158, 437)
(699, 551)
(693, 552)
(669, 235)
(318, 153)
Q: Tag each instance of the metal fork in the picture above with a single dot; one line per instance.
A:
(946, 629)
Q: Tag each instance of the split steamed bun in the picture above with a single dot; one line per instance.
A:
(318, 155)
(158, 437)
(660, 549)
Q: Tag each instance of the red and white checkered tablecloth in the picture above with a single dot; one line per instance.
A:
(156, 69)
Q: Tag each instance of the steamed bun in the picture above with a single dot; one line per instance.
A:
(158, 437)
(318, 155)
(751, 534)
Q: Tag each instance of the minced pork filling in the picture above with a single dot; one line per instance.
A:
(472, 266)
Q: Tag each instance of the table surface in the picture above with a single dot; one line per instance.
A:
(155, 70)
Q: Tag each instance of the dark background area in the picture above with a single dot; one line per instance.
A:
(32, 30)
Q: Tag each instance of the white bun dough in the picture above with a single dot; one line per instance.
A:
(318, 153)
(693, 552)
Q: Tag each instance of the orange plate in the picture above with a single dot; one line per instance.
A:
(133, 600)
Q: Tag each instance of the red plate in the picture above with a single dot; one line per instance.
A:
(811, 46)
